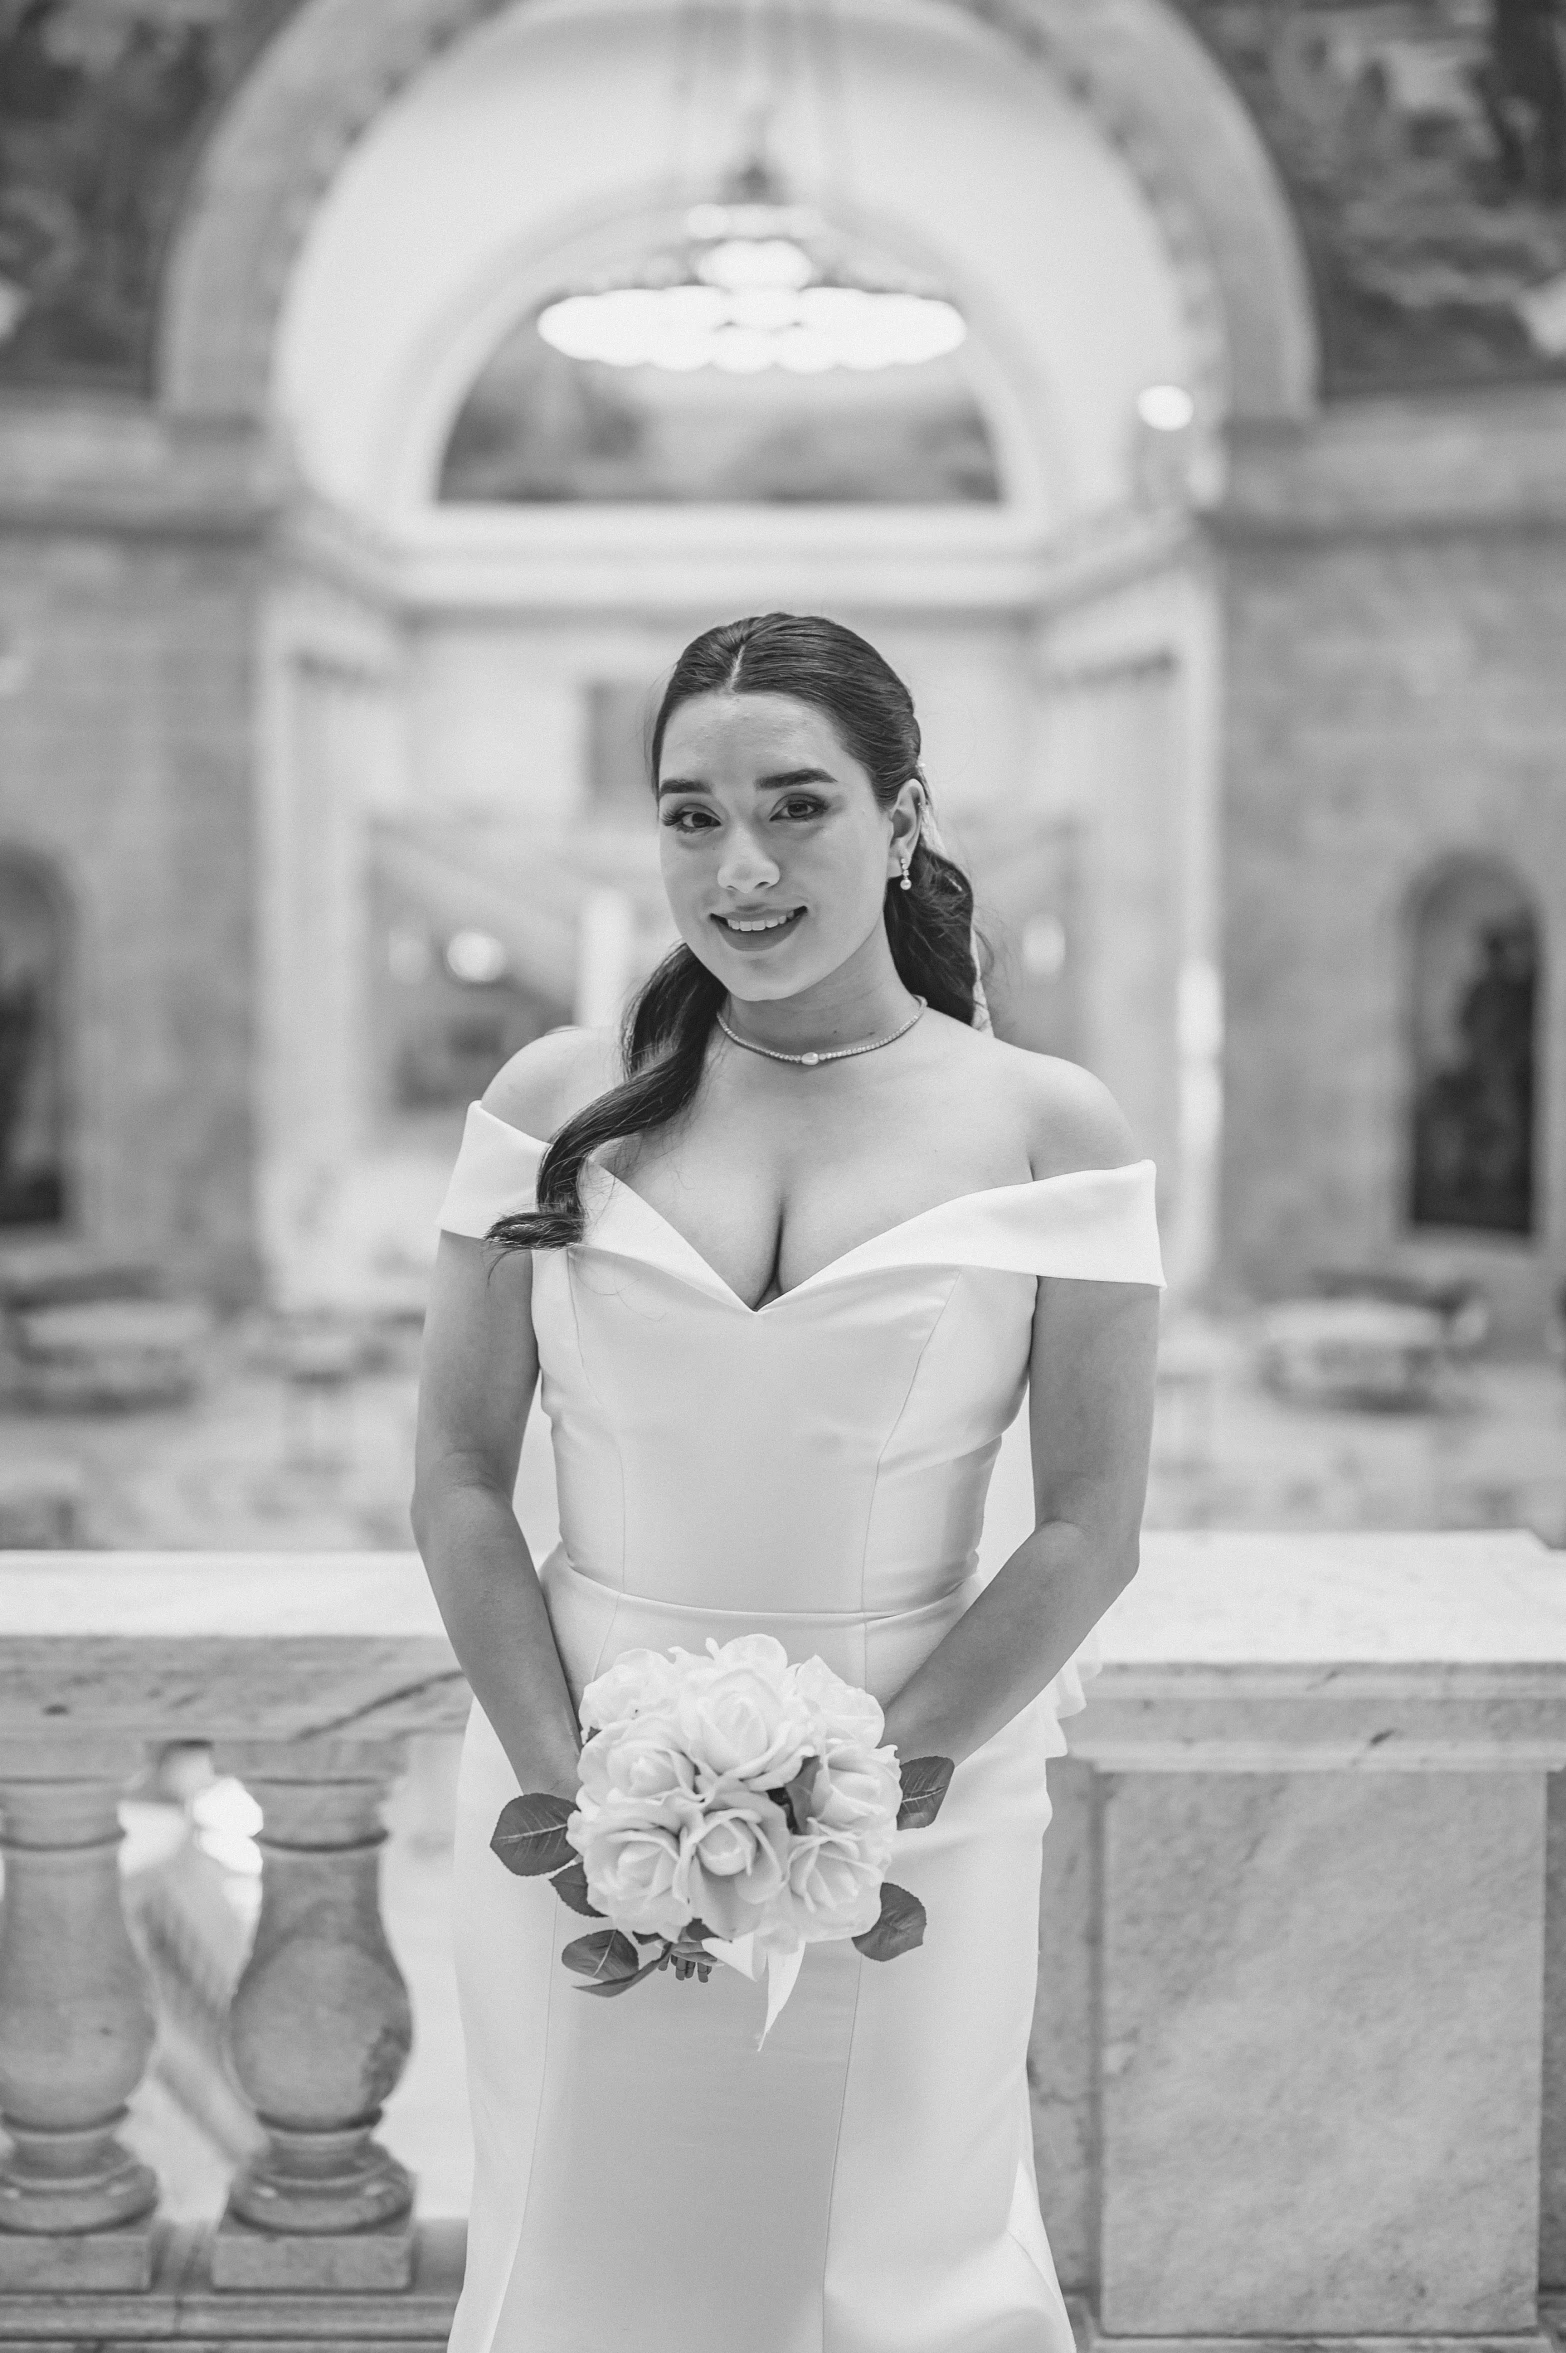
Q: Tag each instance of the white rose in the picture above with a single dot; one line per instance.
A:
(743, 1718)
(834, 1886)
(732, 1864)
(843, 1711)
(631, 1863)
(638, 1680)
(640, 1760)
(763, 1652)
(858, 1791)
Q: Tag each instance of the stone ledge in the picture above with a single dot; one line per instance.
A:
(182, 2307)
(1247, 1653)
(1091, 2339)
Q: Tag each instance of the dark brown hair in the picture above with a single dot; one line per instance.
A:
(668, 1024)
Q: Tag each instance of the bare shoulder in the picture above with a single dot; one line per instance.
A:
(1071, 1119)
(540, 1088)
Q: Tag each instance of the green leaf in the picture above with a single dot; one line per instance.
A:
(604, 1956)
(570, 1885)
(900, 1927)
(530, 1836)
(925, 1783)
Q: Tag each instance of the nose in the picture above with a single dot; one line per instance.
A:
(746, 864)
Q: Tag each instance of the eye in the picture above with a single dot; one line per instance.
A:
(676, 820)
(801, 805)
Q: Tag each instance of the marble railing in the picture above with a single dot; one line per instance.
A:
(1298, 2062)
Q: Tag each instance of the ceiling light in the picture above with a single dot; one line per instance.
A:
(1167, 408)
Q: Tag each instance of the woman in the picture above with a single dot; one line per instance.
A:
(786, 1272)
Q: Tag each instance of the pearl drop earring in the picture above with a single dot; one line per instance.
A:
(907, 881)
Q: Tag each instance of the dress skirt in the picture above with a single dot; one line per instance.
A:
(646, 2178)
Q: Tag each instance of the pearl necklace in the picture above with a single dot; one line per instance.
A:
(833, 1053)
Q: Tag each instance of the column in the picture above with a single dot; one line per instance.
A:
(320, 2032)
(76, 2031)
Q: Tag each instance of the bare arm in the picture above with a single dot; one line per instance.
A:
(1091, 1415)
(476, 1382)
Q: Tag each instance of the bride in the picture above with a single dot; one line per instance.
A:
(785, 1263)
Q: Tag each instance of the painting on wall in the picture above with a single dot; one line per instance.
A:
(103, 107)
(1475, 1042)
(540, 429)
(32, 1047)
(1423, 143)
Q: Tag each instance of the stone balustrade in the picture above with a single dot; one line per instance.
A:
(306, 1674)
(1297, 2068)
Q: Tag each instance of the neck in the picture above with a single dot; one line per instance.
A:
(863, 998)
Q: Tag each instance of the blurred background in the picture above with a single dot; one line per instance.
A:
(1175, 393)
(1175, 390)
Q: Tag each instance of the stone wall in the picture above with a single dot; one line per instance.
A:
(127, 621)
(1395, 602)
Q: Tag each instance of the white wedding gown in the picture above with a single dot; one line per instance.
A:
(646, 2181)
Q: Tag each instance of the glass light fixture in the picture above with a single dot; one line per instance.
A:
(755, 283)
(750, 294)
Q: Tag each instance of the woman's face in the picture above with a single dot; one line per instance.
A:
(775, 853)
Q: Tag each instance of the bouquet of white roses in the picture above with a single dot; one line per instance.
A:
(733, 1808)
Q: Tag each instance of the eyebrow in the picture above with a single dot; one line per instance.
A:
(787, 776)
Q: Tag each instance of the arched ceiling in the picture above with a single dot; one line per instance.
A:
(522, 154)
(388, 181)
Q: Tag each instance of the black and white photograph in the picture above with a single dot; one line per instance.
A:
(783, 1176)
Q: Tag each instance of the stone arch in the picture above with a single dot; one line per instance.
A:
(34, 1025)
(1473, 949)
(482, 311)
(1140, 72)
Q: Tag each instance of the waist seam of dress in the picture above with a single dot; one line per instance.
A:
(701, 1609)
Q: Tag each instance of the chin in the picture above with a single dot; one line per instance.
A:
(762, 978)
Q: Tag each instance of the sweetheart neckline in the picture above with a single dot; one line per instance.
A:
(833, 1265)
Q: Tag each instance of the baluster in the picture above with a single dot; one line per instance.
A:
(320, 2031)
(76, 2031)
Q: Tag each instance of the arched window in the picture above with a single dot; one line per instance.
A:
(540, 429)
(1474, 1004)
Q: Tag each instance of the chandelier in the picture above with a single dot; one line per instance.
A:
(755, 282)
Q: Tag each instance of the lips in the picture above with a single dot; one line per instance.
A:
(754, 930)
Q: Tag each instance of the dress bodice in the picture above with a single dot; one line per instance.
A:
(815, 1469)
(827, 1452)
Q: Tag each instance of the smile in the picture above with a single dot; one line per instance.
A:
(759, 923)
